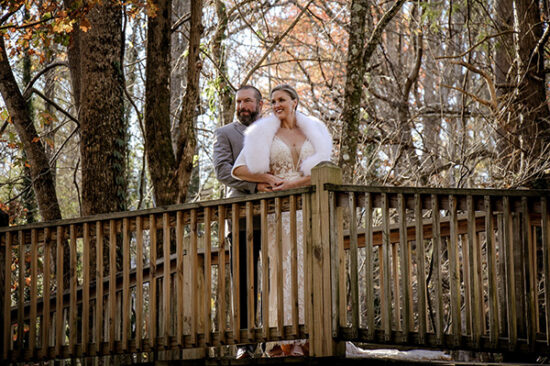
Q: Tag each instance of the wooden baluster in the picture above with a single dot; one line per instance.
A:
(86, 287)
(33, 290)
(492, 272)
(153, 282)
(265, 270)
(112, 284)
(166, 297)
(126, 308)
(21, 295)
(139, 282)
(307, 243)
(99, 299)
(436, 241)
(396, 289)
(385, 276)
(179, 278)
(279, 266)
(354, 268)
(369, 267)
(207, 276)
(530, 271)
(477, 324)
(510, 274)
(405, 267)
(249, 265)
(338, 257)
(222, 325)
(454, 273)
(194, 282)
(7, 295)
(545, 236)
(420, 269)
(73, 310)
(46, 293)
(295, 303)
(236, 319)
(59, 324)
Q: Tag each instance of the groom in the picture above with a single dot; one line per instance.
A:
(227, 146)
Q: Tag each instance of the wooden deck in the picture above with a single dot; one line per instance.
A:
(438, 268)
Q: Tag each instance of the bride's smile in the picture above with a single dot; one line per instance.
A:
(284, 108)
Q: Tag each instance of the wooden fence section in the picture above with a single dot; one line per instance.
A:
(444, 268)
(102, 285)
(433, 267)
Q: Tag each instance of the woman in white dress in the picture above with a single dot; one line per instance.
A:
(280, 150)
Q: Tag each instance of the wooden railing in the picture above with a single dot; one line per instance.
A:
(431, 267)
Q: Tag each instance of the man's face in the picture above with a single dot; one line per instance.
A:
(248, 106)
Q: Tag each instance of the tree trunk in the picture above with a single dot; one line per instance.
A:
(353, 90)
(158, 142)
(102, 142)
(41, 174)
(227, 105)
(187, 140)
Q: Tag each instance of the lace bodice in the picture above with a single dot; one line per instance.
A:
(281, 162)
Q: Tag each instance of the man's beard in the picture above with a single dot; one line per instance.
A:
(247, 119)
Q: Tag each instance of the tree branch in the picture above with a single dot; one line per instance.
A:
(28, 88)
(55, 105)
(277, 40)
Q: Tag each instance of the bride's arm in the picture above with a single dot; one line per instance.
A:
(295, 183)
(243, 173)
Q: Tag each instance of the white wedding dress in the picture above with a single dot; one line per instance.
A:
(283, 165)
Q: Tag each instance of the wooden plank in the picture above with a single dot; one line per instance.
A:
(308, 275)
(437, 250)
(21, 294)
(396, 289)
(59, 325)
(73, 310)
(510, 275)
(112, 284)
(236, 319)
(467, 274)
(420, 270)
(545, 237)
(278, 265)
(265, 270)
(33, 289)
(492, 272)
(221, 308)
(475, 278)
(152, 281)
(180, 294)
(339, 265)
(249, 209)
(385, 274)
(354, 267)
(207, 275)
(139, 282)
(369, 267)
(405, 269)
(530, 271)
(193, 277)
(85, 287)
(99, 299)
(166, 283)
(295, 304)
(454, 274)
(46, 294)
(7, 294)
(126, 258)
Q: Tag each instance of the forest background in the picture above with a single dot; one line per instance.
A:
(111, 105)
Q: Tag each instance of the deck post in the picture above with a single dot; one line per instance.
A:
(321, 332)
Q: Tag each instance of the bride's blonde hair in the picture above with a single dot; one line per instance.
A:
(289, 90)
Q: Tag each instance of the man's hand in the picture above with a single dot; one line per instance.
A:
(263, 187)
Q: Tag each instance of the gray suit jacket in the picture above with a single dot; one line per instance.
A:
(227, 146)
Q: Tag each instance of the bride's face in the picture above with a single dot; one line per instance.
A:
(283, 105)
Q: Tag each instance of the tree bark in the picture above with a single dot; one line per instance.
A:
(353, 89)
(187, 140)
(102, 142)
(158, 141)
(41, 174)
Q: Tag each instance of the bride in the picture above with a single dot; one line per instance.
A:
(280, 150)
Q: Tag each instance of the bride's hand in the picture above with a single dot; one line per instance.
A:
(273, 180)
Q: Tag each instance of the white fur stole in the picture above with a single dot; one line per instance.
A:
(259, 137)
